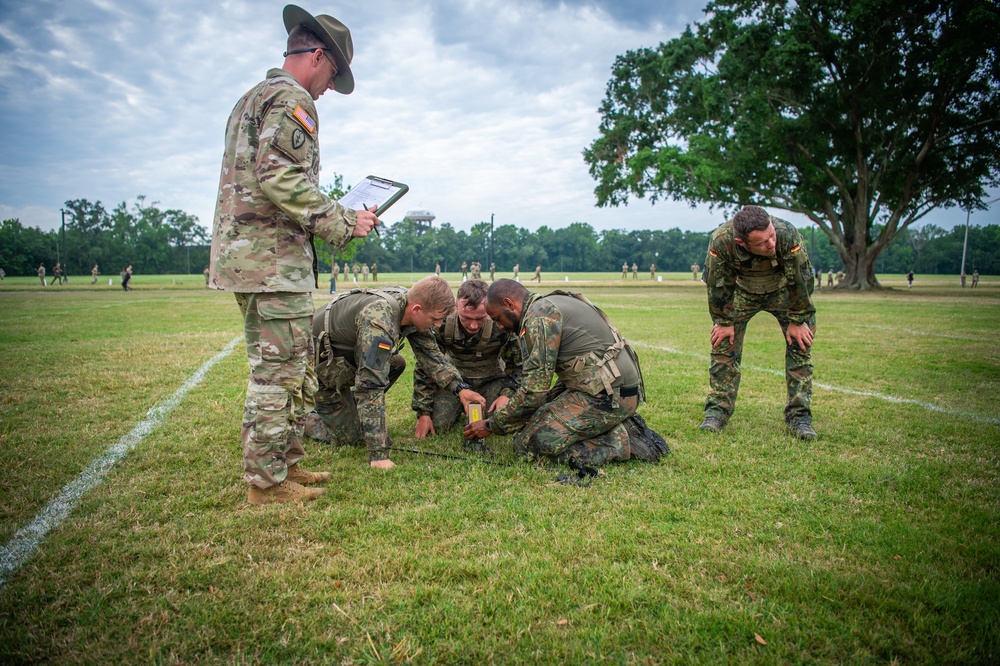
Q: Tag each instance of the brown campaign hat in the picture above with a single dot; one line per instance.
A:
(334, 34)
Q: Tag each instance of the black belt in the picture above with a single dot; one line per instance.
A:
(628, 392)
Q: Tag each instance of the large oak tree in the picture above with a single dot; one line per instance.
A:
(861, 114)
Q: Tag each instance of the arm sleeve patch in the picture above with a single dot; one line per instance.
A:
(378, 353)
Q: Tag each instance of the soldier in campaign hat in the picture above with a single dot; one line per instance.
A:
(268, 212)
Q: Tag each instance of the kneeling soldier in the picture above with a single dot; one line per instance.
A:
(358, 336)
(587, 414)
(488, 357)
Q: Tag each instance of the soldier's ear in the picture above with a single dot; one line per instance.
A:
(739, 241)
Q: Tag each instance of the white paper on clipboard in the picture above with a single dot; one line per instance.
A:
(374, 193)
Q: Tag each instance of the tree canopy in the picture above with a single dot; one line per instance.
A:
(862, 115)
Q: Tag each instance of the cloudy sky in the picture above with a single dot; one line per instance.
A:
(481, 106)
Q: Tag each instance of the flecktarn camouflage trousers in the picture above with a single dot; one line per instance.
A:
(572, 423)
(724, 368)
(282, 387)
(337, 420)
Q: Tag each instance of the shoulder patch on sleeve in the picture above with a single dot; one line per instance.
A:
(378, 353)
(303, 117)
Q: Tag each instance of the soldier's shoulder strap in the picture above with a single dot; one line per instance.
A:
(451, 327)
(394, 296)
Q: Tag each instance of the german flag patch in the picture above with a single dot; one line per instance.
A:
(303, 117)
(795, 249)
(378, 354)
(713, 253)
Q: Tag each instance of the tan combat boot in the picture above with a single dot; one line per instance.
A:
(286, 491)
(304, 477)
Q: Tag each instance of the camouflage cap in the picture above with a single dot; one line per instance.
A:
(334, 34)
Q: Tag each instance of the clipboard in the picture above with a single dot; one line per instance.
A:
(375, 193)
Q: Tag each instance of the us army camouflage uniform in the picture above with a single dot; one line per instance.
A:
(358, 336)
(489, 361)
(600, 384)
(268, 211)
(740, 285)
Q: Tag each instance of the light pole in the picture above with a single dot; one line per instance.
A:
(64, 258)
(491, 239)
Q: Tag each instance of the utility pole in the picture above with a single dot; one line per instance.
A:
(965, 246)
(64, 258)
(491, 239)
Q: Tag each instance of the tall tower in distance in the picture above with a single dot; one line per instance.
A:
(421, 220)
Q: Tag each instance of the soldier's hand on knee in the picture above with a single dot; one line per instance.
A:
(720, 333)
(799, 334)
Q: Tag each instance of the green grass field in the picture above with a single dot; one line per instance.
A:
(878, 543)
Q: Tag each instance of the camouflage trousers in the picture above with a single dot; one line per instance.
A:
(724, 369)
(572, 423)
(278, 331)
(448, 407)
(339, 421)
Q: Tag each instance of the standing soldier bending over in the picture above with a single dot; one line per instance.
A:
(756, 263)
(488, 357)
(590, 413)
(358, 336)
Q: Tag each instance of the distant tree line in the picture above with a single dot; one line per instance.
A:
(406, 246)
(159, 241)
(152, 240)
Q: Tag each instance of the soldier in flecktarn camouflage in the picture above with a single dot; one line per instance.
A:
(358, 336)
(590, 413)
(488, 358)
(269, 209)
(757, 262)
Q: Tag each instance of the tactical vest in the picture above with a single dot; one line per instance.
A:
(479, 362)
(594, 373)
(764, 278)
(337, 371)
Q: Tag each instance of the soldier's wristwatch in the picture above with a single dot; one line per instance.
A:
(461, 387)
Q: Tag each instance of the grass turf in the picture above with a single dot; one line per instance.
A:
(875, 544)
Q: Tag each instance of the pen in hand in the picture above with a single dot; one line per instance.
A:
(375, 226)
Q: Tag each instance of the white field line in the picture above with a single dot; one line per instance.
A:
(27, 539)
(829, 387)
